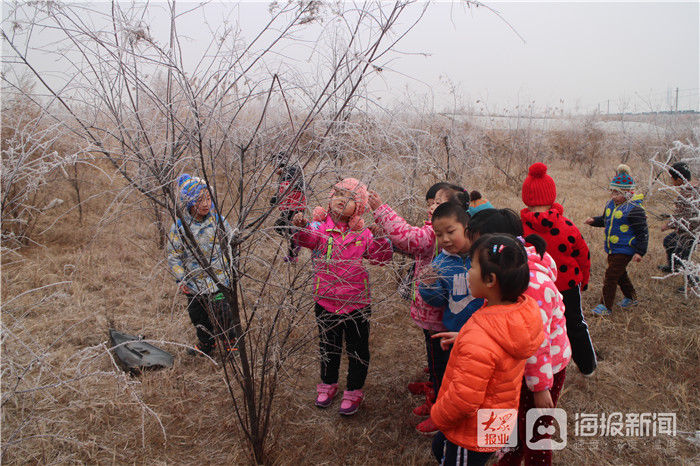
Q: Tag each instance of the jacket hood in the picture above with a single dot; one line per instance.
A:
(537, 264)
(637, 199)
(517, 328)
(542, 222)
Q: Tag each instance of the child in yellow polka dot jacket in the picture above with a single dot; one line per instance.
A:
(626, 239)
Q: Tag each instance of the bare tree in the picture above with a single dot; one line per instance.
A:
(142, 105)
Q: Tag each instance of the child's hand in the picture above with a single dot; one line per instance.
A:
(374, 200)
(543, 399)
(299, 221)
(588, 221)
(429, 275)
(447, 339)
(637, 258)
(376, 230)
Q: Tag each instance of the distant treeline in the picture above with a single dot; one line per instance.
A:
(665, 112)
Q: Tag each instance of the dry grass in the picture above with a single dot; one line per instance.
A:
(649, 355)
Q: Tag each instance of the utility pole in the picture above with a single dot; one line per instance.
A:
(608, 106)
(676, 100)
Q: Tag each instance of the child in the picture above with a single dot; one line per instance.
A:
(341, 288)
(204, 300)
(420, 243)
(291, 198)
(487, 361)
(565, 244)
(684, 220)
(444, 284)
(626, 237)
(447, 286)
(545, 371)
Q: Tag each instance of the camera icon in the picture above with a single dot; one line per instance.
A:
(545, 429)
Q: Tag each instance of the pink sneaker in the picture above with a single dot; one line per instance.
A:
(325, 394)
(351, 402)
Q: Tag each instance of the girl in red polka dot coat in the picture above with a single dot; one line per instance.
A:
(565, 244)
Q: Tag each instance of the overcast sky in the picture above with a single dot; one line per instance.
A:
(583, 54)
(579, 56)
(574, 56)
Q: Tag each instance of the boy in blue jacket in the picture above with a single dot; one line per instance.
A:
(626, 239)
(446, 284)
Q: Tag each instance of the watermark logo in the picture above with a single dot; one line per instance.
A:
(545, 429)
(497, 428)
(619, 424)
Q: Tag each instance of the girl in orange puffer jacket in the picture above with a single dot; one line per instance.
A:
(487, 362)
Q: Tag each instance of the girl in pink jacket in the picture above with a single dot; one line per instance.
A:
(341, 288)
(420, 243)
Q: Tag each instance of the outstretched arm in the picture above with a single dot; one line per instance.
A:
(379, 250)
(305, 236)
(402, 235)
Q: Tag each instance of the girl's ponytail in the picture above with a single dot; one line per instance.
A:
(538, 243)
(459, 195)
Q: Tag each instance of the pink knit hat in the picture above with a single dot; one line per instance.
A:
(538, 187)
(360, 196)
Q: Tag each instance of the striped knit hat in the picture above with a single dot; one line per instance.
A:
(622, 180)
(477, 203)
(190, 189)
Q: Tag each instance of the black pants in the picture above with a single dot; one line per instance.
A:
(354, 328)
(437, 360)
(283, 227)
(678, 246)
(581, 345)
(207, 331)
(447, 453)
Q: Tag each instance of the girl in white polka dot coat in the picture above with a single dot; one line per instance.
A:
(555, 352)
